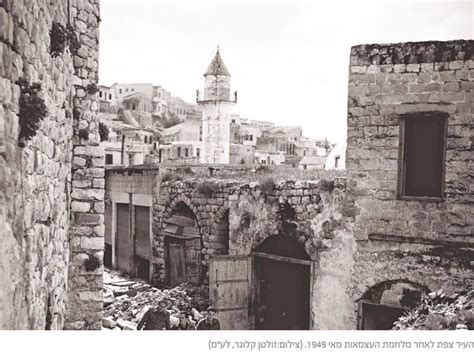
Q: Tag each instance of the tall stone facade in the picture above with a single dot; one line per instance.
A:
(88, 178)
(426, 241)
(35, 180)
(216, 105)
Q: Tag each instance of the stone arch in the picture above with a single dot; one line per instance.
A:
(182, 239)
(379, 292)
(170, 207)
(384, 302)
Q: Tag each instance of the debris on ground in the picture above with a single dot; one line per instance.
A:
(439, 310)
(127, 300)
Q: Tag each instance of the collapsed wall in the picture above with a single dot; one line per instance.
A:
(37, 42)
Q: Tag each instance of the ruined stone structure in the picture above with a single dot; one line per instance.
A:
(353, 249)
(404, 228)
(216, 104)
(52, 223)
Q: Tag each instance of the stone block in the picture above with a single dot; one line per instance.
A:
(399, 68)
(455, 65)
(81, 207)
(88, 219)
(88, 194)
(413, 68)
(92, 243)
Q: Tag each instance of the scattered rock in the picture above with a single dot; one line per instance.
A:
(107, 322)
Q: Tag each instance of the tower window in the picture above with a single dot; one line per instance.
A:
(422, 152)
(109, 159)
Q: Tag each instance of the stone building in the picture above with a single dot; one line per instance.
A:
(216, 104)
(323, 249)
(181, 142)
(51, 170)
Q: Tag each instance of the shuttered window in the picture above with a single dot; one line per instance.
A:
(422, 152)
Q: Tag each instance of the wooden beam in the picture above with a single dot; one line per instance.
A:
(282, 259)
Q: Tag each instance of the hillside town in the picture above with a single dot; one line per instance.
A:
(124, 207)
(146, 124)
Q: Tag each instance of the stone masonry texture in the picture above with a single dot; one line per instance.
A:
(35, 191)
(84, 306)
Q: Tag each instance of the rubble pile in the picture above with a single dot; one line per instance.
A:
(126, 301)
(439, 310)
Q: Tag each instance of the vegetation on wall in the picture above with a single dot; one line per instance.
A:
(61, 37)
(103, 132)
(32, 110)
(170, 177)
(267, 185)
(83, 134)
(439, 310)
(207, 188)
(91, 263)
(92, 88)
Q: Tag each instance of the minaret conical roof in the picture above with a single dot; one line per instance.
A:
(217, 66)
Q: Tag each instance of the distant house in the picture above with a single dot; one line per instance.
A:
(337, 157)
(313, 162)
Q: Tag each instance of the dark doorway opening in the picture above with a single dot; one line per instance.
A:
(108, 255)
(384, 303)
(379, 317)
(283, 274)
(143, 268)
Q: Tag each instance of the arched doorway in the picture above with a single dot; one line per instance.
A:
(182, 247)
(382, 304)
(282, 284)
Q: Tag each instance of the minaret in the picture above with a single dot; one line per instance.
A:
(216, 104)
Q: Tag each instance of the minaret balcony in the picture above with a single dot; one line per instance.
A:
(224, 96)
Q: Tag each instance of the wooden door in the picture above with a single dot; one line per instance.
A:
(177, 263)
(230, 284)
(193, 260)
(142, 232)
(123, 244)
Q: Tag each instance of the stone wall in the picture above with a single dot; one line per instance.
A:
(425, 242)
(88, 178)
(36, 179)
(208, 208)
(386, 81)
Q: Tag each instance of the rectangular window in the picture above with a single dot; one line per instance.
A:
(120, 91)
(336, 161)
(422, 155)
(179, 151)
(186, 152)
(100, 94)
(110, 96)
(198, 152)
(109, 159)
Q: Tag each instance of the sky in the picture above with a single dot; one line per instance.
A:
(288, 60)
